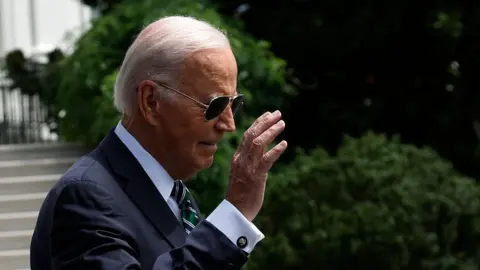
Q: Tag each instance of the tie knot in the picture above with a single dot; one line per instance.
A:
(179, 191)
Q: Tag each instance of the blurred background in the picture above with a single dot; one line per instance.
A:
(380, 101)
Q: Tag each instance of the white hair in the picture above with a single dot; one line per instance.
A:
(159, 53)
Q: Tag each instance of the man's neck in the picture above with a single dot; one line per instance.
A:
(154, 146)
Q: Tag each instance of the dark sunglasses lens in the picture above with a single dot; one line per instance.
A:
(216, 107)
(237, 103)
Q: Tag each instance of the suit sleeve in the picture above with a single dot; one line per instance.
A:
(87, 234)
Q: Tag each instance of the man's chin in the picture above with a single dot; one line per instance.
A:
(205, 162)
(199, 165)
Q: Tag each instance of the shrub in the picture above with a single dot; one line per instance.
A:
(376, 204)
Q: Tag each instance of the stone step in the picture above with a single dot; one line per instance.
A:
(11, 221)
(27, 184)
(32, 167)
(27, 172)
(19, 239)
(25, 202)
(12, 259)
(40, 151)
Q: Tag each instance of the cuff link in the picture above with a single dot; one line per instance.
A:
(242, 242)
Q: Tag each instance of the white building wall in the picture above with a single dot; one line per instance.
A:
(33, 25)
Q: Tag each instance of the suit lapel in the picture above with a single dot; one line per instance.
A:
(142, 191)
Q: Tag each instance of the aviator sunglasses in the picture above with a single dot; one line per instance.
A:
(216, 106)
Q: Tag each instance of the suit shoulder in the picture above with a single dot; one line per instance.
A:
(89, 170)
(88, 183)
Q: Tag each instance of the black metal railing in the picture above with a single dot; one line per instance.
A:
(23, 118)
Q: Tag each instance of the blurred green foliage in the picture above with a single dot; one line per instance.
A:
(36, 77)
(375, 204)
(395, 67)
(102, 6)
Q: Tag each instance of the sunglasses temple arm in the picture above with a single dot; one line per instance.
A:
(196, 101)
(178, 92)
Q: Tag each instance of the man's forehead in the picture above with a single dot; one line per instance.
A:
(209, 91)
(213, 72)
(215, 60)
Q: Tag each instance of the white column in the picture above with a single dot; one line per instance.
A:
(33, 23)
(2, 36)
(12, 23)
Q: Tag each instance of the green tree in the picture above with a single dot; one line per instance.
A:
(376, 204)
(102, 5)
(34, 77)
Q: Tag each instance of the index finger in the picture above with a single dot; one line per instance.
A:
(259, 126)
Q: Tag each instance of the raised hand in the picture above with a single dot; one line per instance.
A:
(252, 162)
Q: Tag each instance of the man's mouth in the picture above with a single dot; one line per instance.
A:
(209, 143)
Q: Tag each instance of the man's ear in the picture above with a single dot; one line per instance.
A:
(147, 102)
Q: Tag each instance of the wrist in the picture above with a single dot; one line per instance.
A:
(240, 208)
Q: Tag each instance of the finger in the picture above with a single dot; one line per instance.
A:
(271, 156)
(248, 132)
(261, 117)
(260, 125)
(260, 143)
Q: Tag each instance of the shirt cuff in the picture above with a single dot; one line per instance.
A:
(227, 219)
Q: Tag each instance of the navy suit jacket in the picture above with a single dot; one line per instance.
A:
(105, 213)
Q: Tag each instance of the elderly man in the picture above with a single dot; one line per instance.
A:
(125, 205)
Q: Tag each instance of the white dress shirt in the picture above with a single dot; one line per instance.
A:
(226, 217)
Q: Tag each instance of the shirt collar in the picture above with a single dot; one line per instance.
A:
(159, 176)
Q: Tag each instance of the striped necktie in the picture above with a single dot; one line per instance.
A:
(184, 199)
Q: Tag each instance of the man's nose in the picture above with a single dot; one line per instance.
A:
(226, 122)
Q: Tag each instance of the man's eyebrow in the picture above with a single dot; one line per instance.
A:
(216, 94)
